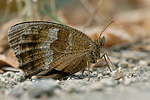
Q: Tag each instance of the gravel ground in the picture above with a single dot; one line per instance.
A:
(130, 81)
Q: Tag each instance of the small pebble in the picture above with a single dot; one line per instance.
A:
(142, 63)
(108, 82)
(127, 81)
(130, 65)
(17, 91)
(40, 88)
(99, 76)
(94, 73)
(123, 65)
(117, 74)
(73, 88)
(98, 86)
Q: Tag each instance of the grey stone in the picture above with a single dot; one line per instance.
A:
(97, 86)
(40, 88)
(17, 91)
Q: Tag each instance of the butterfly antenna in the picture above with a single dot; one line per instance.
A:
(106, 25)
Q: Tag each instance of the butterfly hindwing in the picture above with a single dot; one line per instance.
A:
(41, 46)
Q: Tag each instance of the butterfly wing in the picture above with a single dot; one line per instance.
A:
(49, 48)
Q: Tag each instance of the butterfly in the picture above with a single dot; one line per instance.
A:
(53, 50)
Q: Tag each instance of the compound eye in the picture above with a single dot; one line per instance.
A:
(102, 41)
(99, 56)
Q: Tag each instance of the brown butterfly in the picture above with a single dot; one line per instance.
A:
(53, 50)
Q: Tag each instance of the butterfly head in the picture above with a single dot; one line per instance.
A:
(100, 42)
(94, 54)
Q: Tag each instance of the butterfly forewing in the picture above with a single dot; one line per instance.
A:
(41, 46)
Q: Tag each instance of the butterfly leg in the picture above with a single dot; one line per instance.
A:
(82, 72)
(88, 65)
(110, 61)
(106, 55)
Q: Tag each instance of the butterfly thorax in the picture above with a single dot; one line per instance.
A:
(95, 50)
